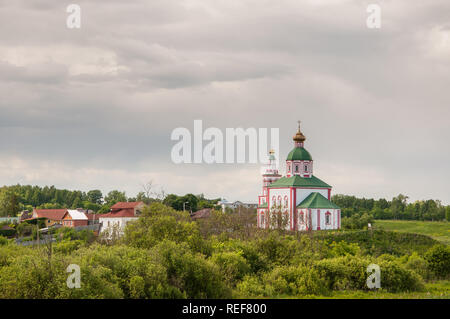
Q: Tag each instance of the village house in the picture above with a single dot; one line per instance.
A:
(74, 218)
(121, 213)
(235, 205)
(92, 218)
(52, 216)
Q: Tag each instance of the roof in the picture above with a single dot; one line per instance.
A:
(26, 215)
(202, 213)
(121, 205)
(128, 212)
(263, 205)
(299, 154)
(316, 200)
(298, 181)
(77, 215)
(53, 214)
(91, 216)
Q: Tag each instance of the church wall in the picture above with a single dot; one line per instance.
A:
(302, 193)
(318, 219)
(282, 193)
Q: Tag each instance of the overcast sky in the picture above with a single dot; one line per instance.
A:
(95, 107)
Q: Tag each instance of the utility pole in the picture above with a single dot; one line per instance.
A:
(37, 228)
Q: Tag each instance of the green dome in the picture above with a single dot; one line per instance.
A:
(299, 154)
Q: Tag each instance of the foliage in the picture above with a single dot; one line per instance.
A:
(436, 230)
(158, 223)
(164, 254)
(3, 241)
(378, 242)
(231, 264)
(397, 208)
(357, 221)
(9, 202)
(439, 260)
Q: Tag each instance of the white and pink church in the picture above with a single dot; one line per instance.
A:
(303, 199)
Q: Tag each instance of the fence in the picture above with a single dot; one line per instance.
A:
(95, 227)
(9, 219)
(42, 241)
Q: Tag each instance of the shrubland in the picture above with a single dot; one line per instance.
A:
(165, 254)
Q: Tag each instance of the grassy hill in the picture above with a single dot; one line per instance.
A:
(436, 230)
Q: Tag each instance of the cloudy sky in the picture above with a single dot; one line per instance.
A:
(95, 107)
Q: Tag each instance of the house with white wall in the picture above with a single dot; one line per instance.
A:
(120, 214)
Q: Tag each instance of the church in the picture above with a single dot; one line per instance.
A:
(300, 199)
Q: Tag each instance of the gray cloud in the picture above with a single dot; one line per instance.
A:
(102, 101)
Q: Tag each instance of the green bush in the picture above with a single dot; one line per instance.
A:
(67, 246)
(231, 264)
(350, 272)
(343, 248)
(438, 259)
(342, 273)
(192, 274)
(68, 233)
(397, 278)
(7, 232)
(3, 241)
(159, 223)
(417, 264)
(294, 281)
(251, 286)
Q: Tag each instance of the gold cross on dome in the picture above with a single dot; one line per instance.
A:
(299, 124)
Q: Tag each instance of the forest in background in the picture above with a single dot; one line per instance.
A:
(16, 198)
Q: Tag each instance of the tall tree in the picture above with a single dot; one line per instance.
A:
(95, 196)
(115, 196)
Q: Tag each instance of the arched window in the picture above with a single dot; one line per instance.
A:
(327, 218)
(306, 168)
(296, 168)
(274, 203)
(301, 217)
(286, 201)
(279, 200)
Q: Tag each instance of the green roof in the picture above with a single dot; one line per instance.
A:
(299, 154)
(263, 205)
(316, 200)
(298, 181)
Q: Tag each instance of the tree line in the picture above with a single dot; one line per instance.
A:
(17, 198)
(397, 208)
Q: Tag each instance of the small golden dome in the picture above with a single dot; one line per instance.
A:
(299, 137)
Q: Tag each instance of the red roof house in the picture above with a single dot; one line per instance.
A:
(124, 209)
(121, 213)
(53, 216)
